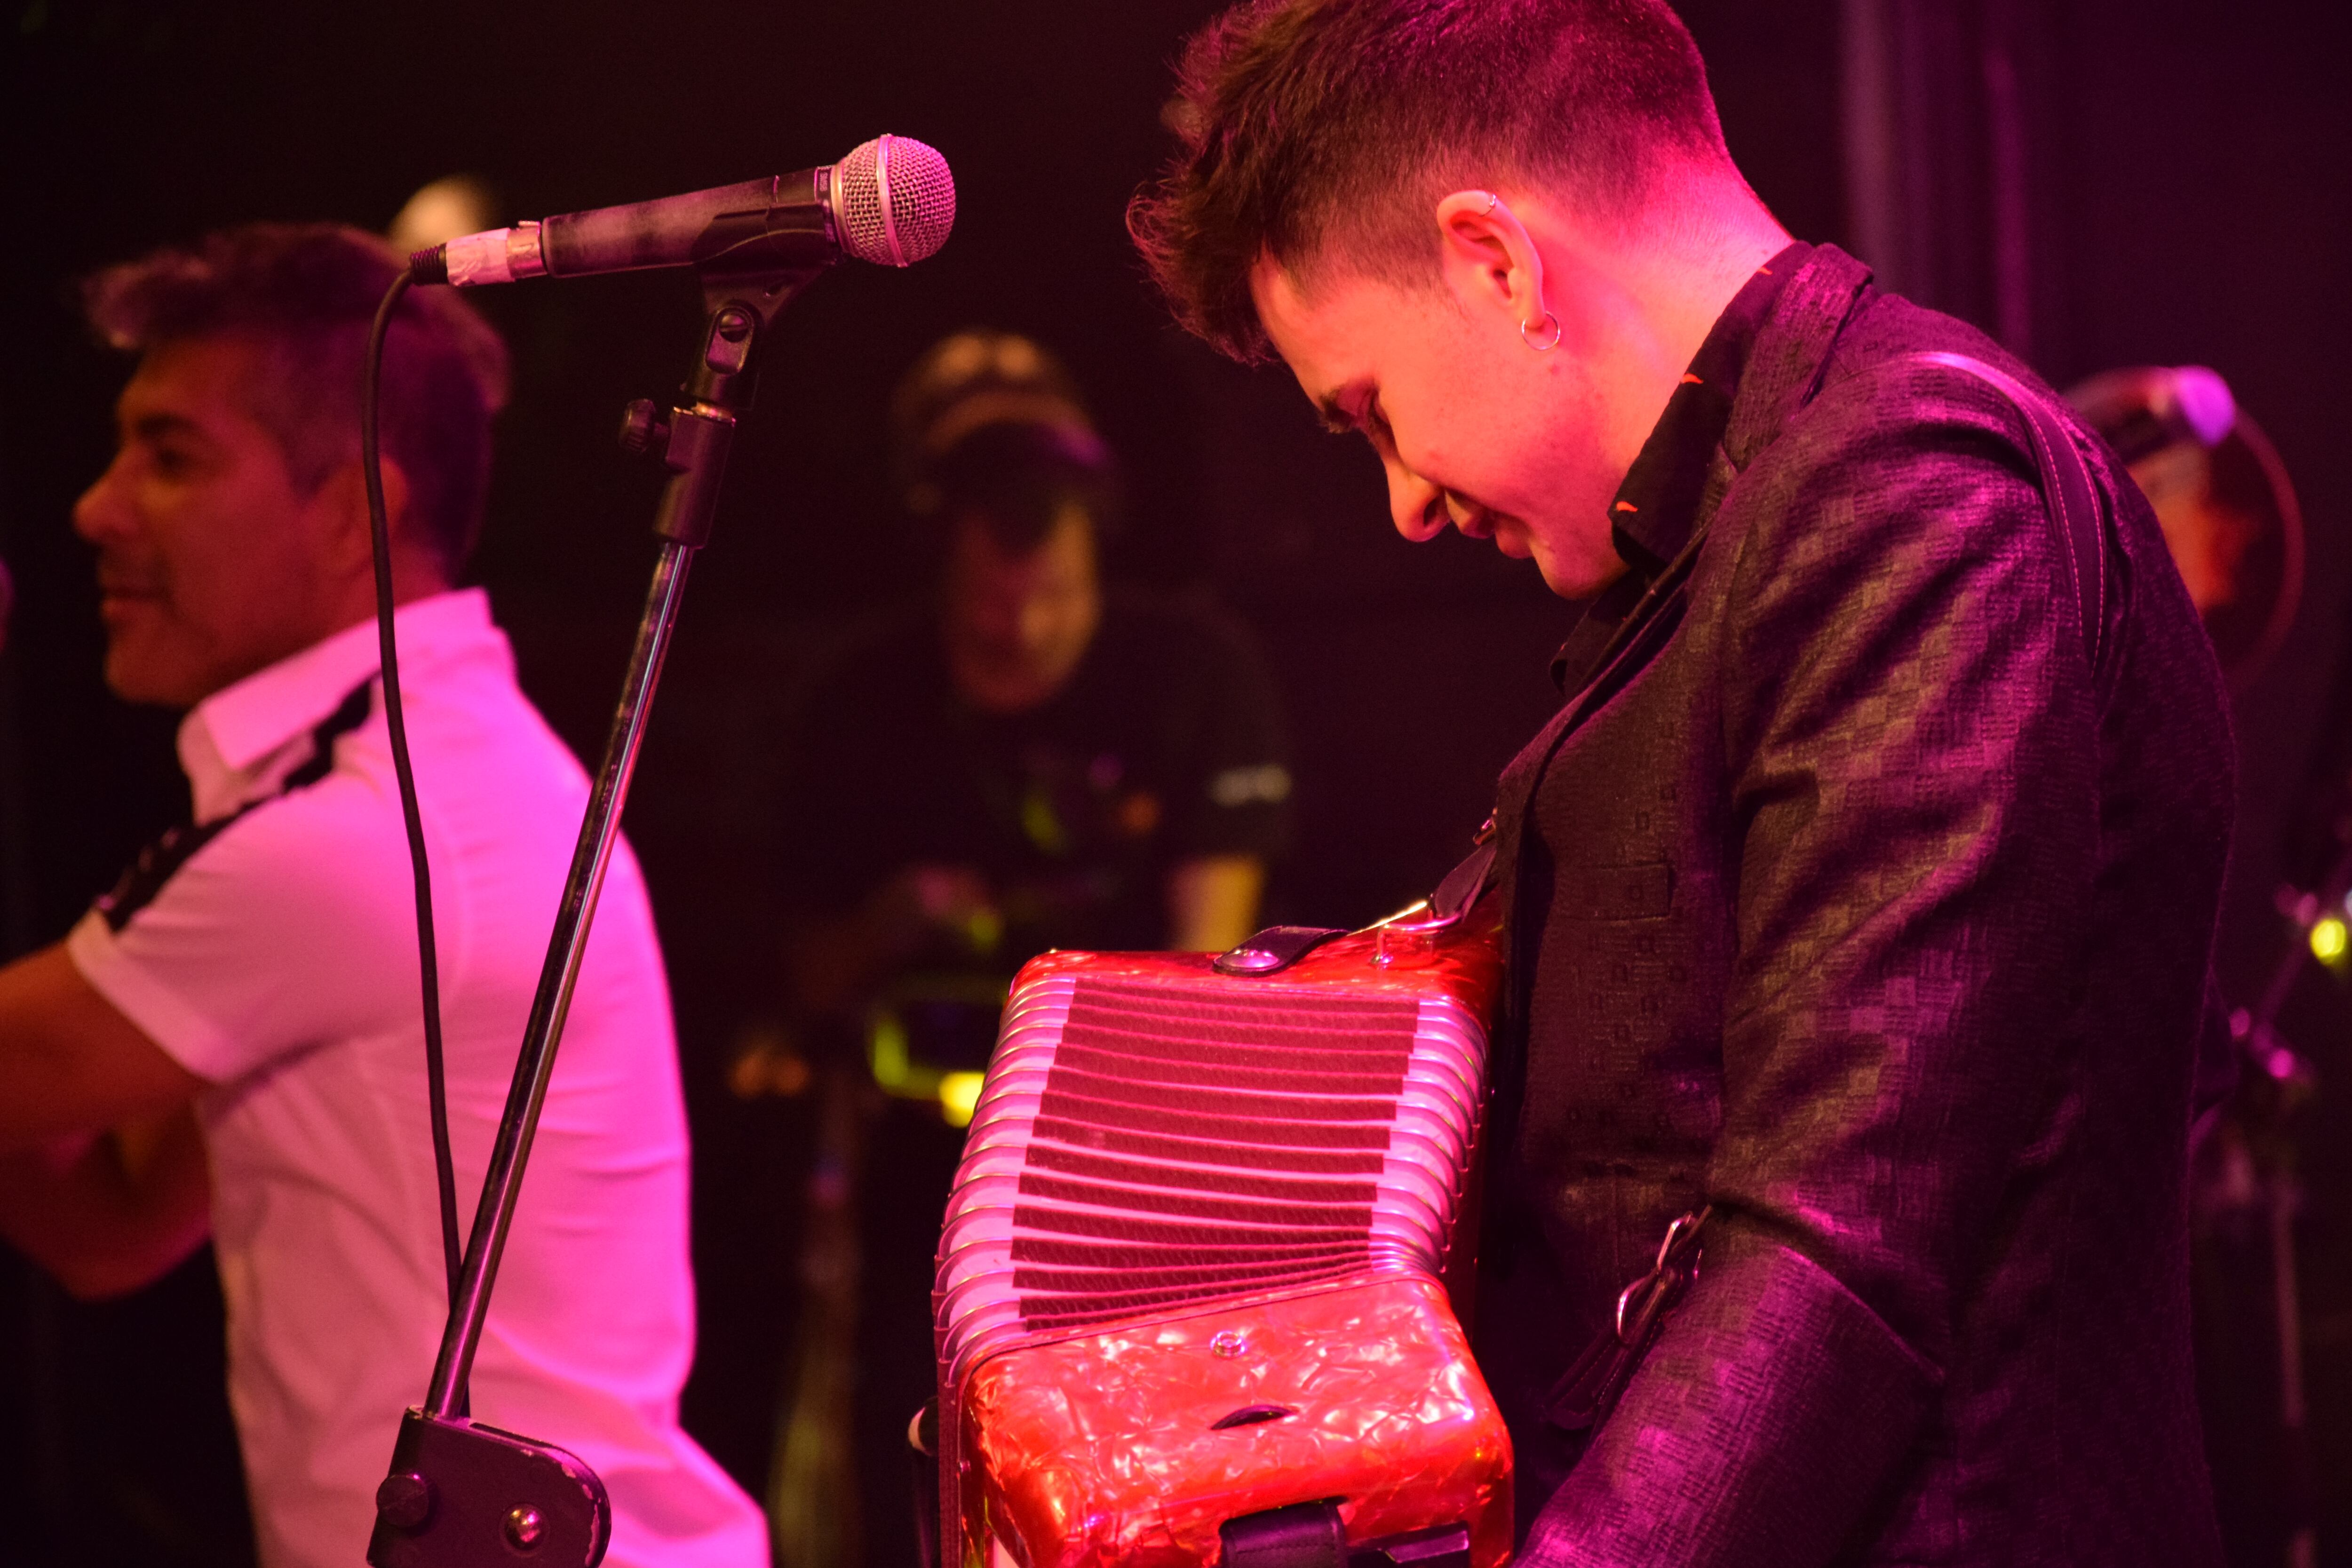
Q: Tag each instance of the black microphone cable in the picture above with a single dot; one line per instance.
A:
(395, 722)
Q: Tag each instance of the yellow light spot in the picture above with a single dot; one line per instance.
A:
(1041, 824)
(887, 1050)
(2328, 939)
(983, 928)
(959, 1093)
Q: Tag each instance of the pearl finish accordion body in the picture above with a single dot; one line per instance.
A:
(1192, 1280)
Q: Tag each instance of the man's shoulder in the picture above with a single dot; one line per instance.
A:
(473, 715)
(1888, 384)
(1887, 327)
(1894, 480)
(497, 786)
(1891, 428)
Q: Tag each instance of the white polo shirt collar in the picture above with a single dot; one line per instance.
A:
(237, 743)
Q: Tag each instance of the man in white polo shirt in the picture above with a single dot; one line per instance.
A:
(258, 967)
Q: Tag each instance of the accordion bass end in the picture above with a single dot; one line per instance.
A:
(1195, 1264)
(1122, 1446)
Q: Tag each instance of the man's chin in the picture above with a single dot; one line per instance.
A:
(134, 674)
(1580, 580)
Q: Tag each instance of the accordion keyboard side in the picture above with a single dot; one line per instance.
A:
(1151, 1143)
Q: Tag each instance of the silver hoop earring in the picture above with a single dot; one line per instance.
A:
(1542, 348)
(1492, 199)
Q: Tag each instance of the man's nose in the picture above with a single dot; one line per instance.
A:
(100, 511)
(1416, 506)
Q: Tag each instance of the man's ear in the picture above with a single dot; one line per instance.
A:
(1488, 258)
(343, 501)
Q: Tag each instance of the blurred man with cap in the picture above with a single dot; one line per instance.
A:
(1033, 756)
(1026, 758)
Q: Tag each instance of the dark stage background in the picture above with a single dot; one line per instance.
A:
(2097, 182)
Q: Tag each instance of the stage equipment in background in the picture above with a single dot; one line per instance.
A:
(460, 1494)
(1198, 1284)
(2235, 531)
(2228, 510)
(2246, 1182)
(439, 212)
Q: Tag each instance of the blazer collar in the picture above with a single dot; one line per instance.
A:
(1675, 483)
(1791, 352)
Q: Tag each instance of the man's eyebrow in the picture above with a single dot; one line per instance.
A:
(1335, 415)
(157, 426)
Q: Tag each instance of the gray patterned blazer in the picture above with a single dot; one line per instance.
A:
(1866, 910)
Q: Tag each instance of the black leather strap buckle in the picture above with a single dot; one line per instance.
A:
(1641, 1304)
(1588, 1390)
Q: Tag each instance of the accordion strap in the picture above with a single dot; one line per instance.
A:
(1583, 1397)
(2072, 500)
(1465, 883)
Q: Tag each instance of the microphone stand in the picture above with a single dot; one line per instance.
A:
(462, 1495)
(2280, 1084)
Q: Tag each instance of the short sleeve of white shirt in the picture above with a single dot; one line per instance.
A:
(294, 925)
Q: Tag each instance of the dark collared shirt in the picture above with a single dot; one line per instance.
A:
(1655, 510)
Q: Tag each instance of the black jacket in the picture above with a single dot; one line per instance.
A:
(1863, 907)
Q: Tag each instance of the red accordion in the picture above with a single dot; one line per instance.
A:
(1194, 1268)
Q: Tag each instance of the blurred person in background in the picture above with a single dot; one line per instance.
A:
(230, 1040)
(2230, 520)
(2232, 525)
(1032, 759)
(1029, 758)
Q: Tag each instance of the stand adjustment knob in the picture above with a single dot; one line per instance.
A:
(644, 432)
(404, 1501)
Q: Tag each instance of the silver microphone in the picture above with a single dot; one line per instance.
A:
(890, 200)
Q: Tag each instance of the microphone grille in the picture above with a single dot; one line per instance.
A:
(893, 200)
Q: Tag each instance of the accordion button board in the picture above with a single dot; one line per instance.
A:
(1193, 1265)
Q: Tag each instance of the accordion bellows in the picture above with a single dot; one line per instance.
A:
(1193, 1263)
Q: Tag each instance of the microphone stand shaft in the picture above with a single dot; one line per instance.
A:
(494, 1215)
(458, 1493)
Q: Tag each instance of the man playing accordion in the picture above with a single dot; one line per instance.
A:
(1860, 899)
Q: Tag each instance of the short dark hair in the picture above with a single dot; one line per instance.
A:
(308, 292)
(1319, 128)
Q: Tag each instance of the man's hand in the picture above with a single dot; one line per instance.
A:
(836, 964)
(69, 1063)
